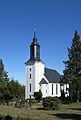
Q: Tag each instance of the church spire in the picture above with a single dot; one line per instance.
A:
(35, 48)
(34, 32)
(34, 38)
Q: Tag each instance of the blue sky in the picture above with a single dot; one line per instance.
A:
(55, 22)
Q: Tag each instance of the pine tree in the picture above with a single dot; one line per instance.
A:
(72, 72)
(1, 69)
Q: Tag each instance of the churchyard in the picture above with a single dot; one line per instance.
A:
(66, 111)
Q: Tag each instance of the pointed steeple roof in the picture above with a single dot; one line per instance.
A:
(34, 51)
(35, 39)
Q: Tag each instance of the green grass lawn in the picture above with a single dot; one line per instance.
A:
(70, 112)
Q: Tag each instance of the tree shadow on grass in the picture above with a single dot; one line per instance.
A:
(68, 116)
(41, 108)
(78, 109)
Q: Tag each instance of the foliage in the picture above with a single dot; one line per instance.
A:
(17, 90)
(1, 68)
(50, 103)
(9, 89)
(38, 96)
(72, 72)
(64, 99)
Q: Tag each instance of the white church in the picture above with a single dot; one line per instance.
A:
(40, 78)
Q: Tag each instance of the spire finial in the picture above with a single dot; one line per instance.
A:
(34, 32)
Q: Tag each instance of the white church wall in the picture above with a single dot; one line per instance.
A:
(26, 85)
(47, 90)
(30, 80)
(58, 94)
(54, 89)
(37, 71)
(44, 90)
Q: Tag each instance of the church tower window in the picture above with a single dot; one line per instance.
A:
(34, 49)
(30, 76)
(30, 87)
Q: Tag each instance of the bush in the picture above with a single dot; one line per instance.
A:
(38, 96)
(50, 103)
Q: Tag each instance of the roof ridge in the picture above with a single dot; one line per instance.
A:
(50, 69)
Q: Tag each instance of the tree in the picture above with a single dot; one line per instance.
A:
(9, 89)
(1, 69)
(38, 96)
(1, 78)
(72, 72)
(17, 90)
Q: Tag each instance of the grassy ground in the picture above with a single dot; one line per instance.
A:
(66, 112)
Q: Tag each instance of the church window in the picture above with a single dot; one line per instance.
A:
(56, 88)
(30, 69)
(52, 89)
(30, 76)
(30, 87)
(46, 91)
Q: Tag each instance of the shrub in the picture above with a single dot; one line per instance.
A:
(38, 96)
(50, 103)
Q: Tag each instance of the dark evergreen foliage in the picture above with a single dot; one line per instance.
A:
(9, 89)
(72, 72)
(64, 99)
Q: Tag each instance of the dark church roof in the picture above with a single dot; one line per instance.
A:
(35, 40)
(43, 81)
(32, 61)
(52, 75)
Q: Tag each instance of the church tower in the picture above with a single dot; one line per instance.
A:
(35, 49)
(34, 69)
